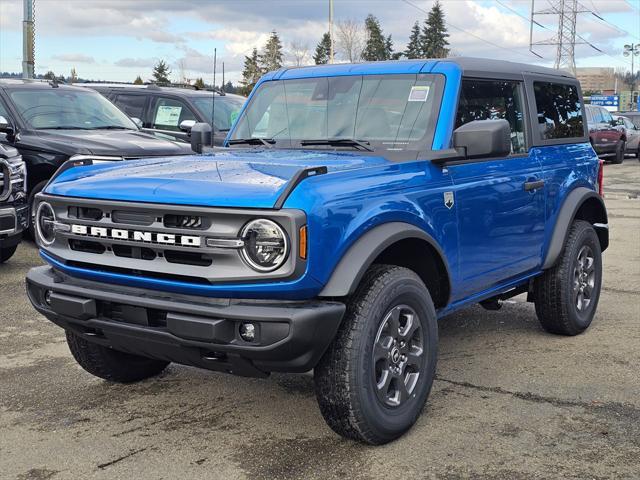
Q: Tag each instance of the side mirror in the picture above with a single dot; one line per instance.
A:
(483, 138)
(187, 125)
(137, 121)
(201, 136)
(5, 126)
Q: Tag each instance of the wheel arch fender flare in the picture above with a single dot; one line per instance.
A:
(584, 204)
(363, 252)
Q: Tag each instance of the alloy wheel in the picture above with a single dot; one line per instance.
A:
(398, 356)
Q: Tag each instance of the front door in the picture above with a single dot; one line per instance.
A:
(500, 202)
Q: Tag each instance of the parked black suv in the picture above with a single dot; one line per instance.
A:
(50, 123)
(13, 201)
(172, 111)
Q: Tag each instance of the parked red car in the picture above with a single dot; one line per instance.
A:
(607, 137)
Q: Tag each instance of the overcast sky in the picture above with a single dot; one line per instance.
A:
(117, 40)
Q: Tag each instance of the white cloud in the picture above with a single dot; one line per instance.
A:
(74, 58)
(135, 62)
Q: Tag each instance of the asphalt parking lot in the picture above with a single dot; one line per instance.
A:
(510, 401)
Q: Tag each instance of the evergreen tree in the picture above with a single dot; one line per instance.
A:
(388, 49)
(161, 73)
(271, 57)
(199, 84)
(377, 47)
(323, 50)
(73, 76)
(434, 34)
(414, 48)
(251, 72)
(138, 81)
(49, 75)
(229, 87)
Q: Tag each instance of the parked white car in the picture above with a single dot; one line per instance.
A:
(632, 133)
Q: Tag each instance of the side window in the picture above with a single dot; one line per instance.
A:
(606, 115)
(168, 113)
(493, 100)
(132, 105)
(559, 110)
(3, 111)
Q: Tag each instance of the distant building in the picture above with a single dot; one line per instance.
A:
(596, 78)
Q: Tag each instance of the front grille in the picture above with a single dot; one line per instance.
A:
(158, 241)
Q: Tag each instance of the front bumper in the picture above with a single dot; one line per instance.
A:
(12, 222)
(198, 331)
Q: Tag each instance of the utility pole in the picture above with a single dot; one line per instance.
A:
(28, 39)
(331, 48)
(565, 38)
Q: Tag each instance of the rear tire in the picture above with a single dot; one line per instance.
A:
(566, 296)
(374, 379)
(7, 253)
(620, 149)
(110, 364)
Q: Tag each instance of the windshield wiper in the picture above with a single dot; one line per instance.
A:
(63, 127)
(253, 141)
(339, 142)
(110, 127)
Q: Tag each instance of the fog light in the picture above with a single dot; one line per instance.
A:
(47, 297)
(248, 332)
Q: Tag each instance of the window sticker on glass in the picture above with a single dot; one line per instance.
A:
(419, 93)
(167, 115)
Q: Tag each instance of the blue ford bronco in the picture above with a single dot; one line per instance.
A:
(354, 206)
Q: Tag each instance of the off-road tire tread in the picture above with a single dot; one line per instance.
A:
(549, 288)
(112, 365)
(30, 232)
(333, 385)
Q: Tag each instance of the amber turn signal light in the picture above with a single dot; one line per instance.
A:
(302, 242)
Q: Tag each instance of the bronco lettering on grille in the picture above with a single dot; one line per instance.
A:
(137, 236)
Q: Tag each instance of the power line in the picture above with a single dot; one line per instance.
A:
(449, 24)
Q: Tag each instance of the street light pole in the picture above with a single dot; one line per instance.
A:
(632, 50)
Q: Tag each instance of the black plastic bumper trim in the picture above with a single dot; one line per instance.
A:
(198, 331)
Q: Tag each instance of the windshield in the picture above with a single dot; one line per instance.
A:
(68, 109)
(227, 109)
(387, 112)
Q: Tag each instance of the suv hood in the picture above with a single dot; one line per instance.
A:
(230, 178)
(122, 143)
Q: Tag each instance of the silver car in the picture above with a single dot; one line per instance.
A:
(633, 134)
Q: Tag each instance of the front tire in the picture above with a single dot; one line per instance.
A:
(30, 233)
(7, 253)
(374, 379)
(566, 296)
(110, 364)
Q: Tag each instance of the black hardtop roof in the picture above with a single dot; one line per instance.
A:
(474, 65)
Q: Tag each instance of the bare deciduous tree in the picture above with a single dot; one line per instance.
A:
(351, 40)
(299, 53)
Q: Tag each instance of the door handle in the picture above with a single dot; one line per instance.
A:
(533, 185)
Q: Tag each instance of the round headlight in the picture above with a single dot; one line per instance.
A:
(45, 219)
(265, 245)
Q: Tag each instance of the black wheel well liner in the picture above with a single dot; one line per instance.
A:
(39, 173)
(394, 243)
(581, 204)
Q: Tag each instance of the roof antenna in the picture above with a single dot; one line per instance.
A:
(213, 101)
